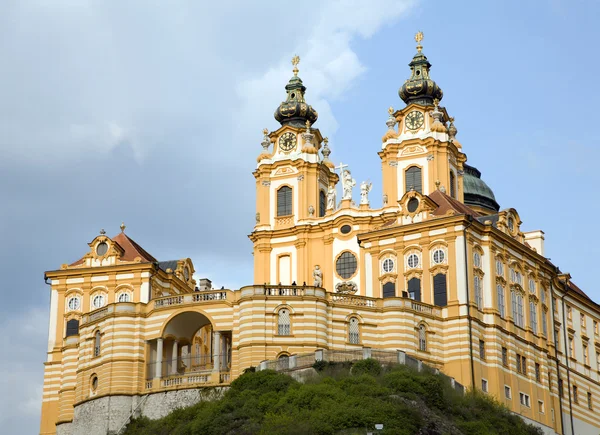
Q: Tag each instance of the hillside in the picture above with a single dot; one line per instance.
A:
(342, 399)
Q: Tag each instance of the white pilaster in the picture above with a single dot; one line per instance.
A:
(216, 350)
(159, 357)
(174, 363)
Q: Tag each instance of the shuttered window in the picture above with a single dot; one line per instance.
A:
(284, 201)
(322, 203)
(440, 296)
(389, 290)
(414, 289)
(412, 179)
(72, 327)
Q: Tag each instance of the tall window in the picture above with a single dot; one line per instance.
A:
(389, 290)
(322, 203)
(452, 185)
(478, 292)
(97, 344)
(531, 286)
(412, 179)
(544, 322)
(575, 397)
(533, 317)
(586, 356)
(499, 268)
(504, 356)
(422, 338)
(353, 331)
(283, 322)
(538, 372)
(284, 201)
(571, 347)
(414, 289)
(440, 296)
(500, 294)
(517, 308)
(481, 349)
(72, 327)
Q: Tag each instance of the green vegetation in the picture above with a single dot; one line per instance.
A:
(342, 399)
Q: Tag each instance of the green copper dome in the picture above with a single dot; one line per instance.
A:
(294, 110)
(477, 193)
(419, 88)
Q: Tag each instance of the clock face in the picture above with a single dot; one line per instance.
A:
(287, 141)
(414, 120)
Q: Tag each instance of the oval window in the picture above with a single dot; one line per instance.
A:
(413, 205)
(102, 248)
(388, 265)
(345, 229)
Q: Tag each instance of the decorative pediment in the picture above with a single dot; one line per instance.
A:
(412, 150)
(414, 203)
(285, 170)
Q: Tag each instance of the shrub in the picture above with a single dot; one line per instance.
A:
(367, 366)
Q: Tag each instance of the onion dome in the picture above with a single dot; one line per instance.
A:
(294, 111)
(419, 88)
(476, 192)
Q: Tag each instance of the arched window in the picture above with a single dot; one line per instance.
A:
(477, 281)
(440, 295)
(422, 338)
(97, 344)
(517, 308)
(283, 322)
(322, 203)
(533, 316)
(452, 185)
(414, 289)
(284, 201)
(412, 179)
(353, 331)
(124, 297)
(389, 290)
(72, 327)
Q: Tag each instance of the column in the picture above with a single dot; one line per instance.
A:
(175, 356)
(159, 357)
(216, 350)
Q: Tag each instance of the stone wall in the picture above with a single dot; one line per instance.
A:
(107, 415)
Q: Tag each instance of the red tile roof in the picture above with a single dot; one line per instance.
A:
(131, 250)
(446, 203)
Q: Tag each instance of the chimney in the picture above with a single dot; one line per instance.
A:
(205, 284)
(536, 240)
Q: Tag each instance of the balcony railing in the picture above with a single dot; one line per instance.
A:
(191, 298)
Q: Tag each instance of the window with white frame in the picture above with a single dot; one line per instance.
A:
(586, 355)
(499, 267)
(354, 331)
(283, 322)
(516, 276)
(543, 296)
(517, 308)
(124, 297)
(500, 295)
(73, 303)
(477, 259)
(541, 408)
(484, 385)
(478, 283)
(98, 301)
(388, 265)
(531, 286)
(533, 316)
(525, 400)
(422, 338)
(438, 256)
(412, 261)
(507, 392)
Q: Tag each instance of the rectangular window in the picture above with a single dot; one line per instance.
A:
(590, 401)
(586, 359)
(538, 373)
(518, 363)
(440, 297)
(557, 338)
(561, 391)
(507, 392)
(575, 398)
(598, 361)
(484, 385)
(531, 286)
(412, 179)
(543, 294)
(478, 292)
(524, 399)
(521, 364)
(582, 322)
(544, 323)
(414, 289)
(504, 357)
(481, 349)
(569, 313)
(500, 294)
(595, 327)
(284, 201)
(520, 315)
(554, 304)
(541, 407)
(499, 268)
(533, 317)
(571, 347)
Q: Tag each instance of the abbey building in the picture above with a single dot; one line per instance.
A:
(440, 271)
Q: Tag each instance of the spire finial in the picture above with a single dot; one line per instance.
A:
(437, 184)
(307, 123)
(419, 38)
(122, 227)
(102, 232)
(295, 62)
(391, 110)
(265, 131)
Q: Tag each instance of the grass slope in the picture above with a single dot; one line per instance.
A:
(343, 399)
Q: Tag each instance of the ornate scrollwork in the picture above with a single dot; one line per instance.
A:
(347, 287)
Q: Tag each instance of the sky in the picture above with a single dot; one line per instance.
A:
(151, 113)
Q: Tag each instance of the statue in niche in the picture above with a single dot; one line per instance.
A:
(365, 188)
(348, 183)
(317, 276)
(331, 198)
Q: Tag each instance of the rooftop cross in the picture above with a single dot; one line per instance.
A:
(341, 167)
(295, 62)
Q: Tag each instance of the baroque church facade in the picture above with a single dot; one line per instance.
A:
(440, 272)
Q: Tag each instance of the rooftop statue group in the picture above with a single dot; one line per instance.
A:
(348, 184)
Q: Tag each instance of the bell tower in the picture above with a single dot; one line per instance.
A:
(420, 151)
(292, 179)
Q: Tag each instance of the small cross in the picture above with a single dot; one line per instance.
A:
(341, 167)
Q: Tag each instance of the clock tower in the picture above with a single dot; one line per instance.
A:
(292, 179)
(420, 152)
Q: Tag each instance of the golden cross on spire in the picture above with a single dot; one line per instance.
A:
(295, 62)
(419, 38)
